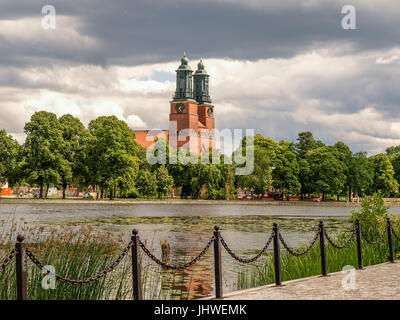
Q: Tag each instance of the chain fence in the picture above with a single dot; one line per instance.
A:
(7, 260)
(250, 260)
(299, 254)
(380, 239)
(394, 233)
(218, 240)
(345, 245)
(178, 266)
(100, 275)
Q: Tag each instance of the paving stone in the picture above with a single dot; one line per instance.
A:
(377, 282)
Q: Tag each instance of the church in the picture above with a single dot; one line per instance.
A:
(191, 117)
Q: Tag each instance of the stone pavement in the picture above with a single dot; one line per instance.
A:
(374, 282)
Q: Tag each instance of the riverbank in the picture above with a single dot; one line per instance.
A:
(182, 201)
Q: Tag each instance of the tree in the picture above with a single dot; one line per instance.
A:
(41, 150)
(383, 180)
(344, 155)
(260, 180)
(392, 151)
(73, 143)
(285, 173)
(327, 173)
(10, 151)
(165, 183)
(306, 143)
(147, 183)
(304, 178)
(112, 155)
(360, 174)
(395, 160)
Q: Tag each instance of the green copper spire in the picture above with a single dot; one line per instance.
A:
(184, 81)
(201, 84)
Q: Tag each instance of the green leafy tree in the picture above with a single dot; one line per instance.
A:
(112, 155)
(304, 178)
(383, 180)
(165, 182)
(372, 215)
(42, 150)
(286, 172)
(395, 160)
(10, 152)
(74, 135)
(327, 172)
(147, 183)
(344, 155)
(306, 143)
(392, 151)
(260, 180)
(360, 174)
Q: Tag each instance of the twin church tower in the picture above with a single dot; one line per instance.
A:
(191, 118)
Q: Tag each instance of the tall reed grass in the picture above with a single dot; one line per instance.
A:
(80, 252)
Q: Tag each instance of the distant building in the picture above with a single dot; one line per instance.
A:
(191, 113)
(5, 191)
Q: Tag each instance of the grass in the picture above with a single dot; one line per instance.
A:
(78, 253)
(310, 264)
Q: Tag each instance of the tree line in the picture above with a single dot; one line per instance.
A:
(62, 152)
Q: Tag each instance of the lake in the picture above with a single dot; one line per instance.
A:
(189, 226)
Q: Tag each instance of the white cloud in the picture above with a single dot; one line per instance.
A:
(28, 30)
(135, 122)
(279, 97)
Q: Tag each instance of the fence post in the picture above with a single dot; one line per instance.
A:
(277, 256)
(322, 247)
(359, 246)
(136, 279)
(22, 291)
(217, 263)
(390, 243)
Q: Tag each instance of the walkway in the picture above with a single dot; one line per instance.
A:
(374, 282)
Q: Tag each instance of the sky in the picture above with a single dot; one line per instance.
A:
(278, 67)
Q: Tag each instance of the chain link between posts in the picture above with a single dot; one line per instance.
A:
(394, 233)
(250, 260)
(299, 254)
(7, 260)
(346, 244)
(80, 282)
(178, 266)
(380, 239)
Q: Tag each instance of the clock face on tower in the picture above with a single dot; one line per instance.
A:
(179, 107)
(210, 112)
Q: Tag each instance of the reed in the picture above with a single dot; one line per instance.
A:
(80, 252)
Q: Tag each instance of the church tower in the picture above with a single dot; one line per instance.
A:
(191, 111)
(184, 81)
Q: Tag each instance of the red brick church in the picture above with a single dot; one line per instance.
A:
(191, 118)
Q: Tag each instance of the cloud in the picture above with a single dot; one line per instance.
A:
(279, 67)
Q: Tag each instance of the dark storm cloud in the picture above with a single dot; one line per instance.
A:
(148, 31)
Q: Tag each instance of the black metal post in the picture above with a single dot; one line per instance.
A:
(22, 291)
(136, 277)
(277, 256)
(390, 243)
(359, 245)
(217, 263)
(322, 247)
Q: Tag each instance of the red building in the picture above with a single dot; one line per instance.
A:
(191, 118)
